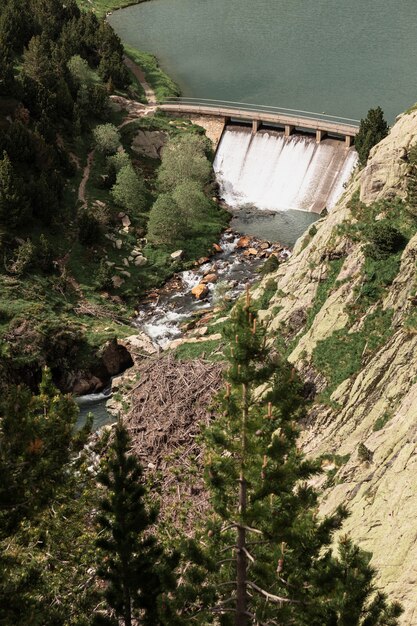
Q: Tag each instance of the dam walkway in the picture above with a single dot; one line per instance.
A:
(290, 120)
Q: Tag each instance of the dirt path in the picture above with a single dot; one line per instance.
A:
(86, 175)
(139, 74)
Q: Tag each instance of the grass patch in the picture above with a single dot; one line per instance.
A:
(102, 7)
(340, 356)
(323, 290)
(205, 350)
(267, 295)
(382, 421)
(163, 86)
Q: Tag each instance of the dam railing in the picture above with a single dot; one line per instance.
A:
(290, 119)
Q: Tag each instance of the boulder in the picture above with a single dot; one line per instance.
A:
(217, 248)
(118, 244)
(126, 262)
(126, 221)
(251, 252)
(200, 291)
(243, 242)
(177, 255)
(139, 344)
(136, 251)
(209, 278)
(202, 260)
(125, 273)
(265, 245)
(115, 357)
(140, 260)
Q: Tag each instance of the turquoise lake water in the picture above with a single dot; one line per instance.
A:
(328, 56)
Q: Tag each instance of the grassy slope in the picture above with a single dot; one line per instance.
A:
(161, 83)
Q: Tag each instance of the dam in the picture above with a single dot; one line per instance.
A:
(276, 172)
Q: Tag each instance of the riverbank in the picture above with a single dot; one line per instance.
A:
(102, 7)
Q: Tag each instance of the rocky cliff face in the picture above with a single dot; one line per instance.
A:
(349, 324)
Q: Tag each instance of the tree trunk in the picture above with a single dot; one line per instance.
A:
(241, 618)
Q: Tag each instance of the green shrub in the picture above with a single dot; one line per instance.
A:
(364, 454)
(270, 265)
(384, 240)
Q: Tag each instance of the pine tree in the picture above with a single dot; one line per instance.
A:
(371, 131)
(264, 556)
(36, 440)
(14, 206)
(136, 570)
(363, 605)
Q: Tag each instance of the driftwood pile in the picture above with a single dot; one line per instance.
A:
(169, 404)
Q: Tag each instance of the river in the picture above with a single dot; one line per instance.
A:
(329, 56)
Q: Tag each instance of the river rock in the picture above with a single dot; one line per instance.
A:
(251, 252)
(177, 255)
(217, 248)
(265, 245)
(202, 260)
(136, 251)
(243, 242)
(84, 386)
(209, 278)
(199, 291)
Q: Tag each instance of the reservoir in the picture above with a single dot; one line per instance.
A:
(341, 58)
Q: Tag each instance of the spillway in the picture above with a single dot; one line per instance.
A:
(271, 171)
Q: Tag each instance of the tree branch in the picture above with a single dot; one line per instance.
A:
(270, 596)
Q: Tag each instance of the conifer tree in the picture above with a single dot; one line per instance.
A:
(134, 566)
(36, 440)
(265, 556)
(371, 131)
(14, 206)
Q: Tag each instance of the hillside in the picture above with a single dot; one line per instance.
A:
(344, 311)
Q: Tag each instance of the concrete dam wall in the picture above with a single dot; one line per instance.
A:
(279, 173)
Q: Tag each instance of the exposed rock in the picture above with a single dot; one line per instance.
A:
(117, 281)
(217, 248)
(83, 386)
(139, 345)
(140, 260)
(179, 342)
(115, 357)
(251, 252)
(177, 255)
(386, 170)
(202, 260)
(125, 273)
(209, 278)
(136, 252)
(149, 143)
(126, 221)
(126, 262)
(118, 244)
(243, 242)
(376, 406)
(199, 291)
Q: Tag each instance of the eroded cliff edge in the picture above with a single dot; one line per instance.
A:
(348, 322)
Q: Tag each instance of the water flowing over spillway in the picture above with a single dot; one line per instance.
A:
(271, 171)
